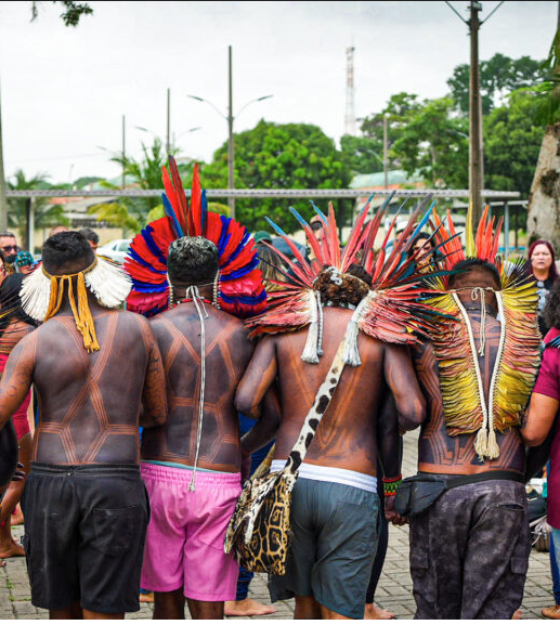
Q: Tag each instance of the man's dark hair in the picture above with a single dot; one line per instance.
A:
(551, 312)
(7, 233)
(67, 252)
(90, 235)
(315, 226)
(11, 302)
(192, 261)
(463, 267)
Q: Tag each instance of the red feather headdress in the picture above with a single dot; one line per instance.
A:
(240, 288)
(391, 312)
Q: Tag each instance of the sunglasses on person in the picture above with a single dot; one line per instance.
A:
(9, 248)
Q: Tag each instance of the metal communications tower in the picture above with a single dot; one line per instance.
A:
(350, 118)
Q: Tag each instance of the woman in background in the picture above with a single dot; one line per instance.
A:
(543, 268)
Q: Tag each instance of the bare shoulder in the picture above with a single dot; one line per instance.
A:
(236, 330)
(134, 324)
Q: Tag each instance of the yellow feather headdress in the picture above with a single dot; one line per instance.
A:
(518, 359)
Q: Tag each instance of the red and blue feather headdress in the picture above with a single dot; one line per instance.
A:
(240, 288)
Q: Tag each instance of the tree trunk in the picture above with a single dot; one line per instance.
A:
(543, 221)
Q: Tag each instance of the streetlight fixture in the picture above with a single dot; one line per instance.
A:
(230, 118)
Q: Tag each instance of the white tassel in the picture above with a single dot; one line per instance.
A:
(310, 354)
(35, 294)
(481, 443)
(351, 354)
(109, 283)
(492, 448)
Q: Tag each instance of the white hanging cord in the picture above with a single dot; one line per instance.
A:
(485, 444)
(194, 294)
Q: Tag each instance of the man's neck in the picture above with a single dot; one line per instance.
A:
(180, 292)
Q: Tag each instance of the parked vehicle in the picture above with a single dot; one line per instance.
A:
(116, 250)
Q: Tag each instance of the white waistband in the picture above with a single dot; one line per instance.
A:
(331, 474)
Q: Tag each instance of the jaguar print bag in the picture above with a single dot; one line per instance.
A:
(258, 534)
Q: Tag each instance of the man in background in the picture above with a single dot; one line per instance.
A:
(91, 236)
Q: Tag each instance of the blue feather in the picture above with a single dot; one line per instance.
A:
(423, 221)
(319, 212)
(203, 210)
(171, 215)
(298, 217)
(277, 229)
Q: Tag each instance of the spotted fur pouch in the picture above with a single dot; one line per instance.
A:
(258, 534)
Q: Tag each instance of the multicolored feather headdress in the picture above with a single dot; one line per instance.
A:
(390, 311)
(238, 289)
(465, 407)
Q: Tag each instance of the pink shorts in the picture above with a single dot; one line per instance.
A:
(185, 538)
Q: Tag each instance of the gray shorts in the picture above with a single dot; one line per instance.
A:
(333, 546)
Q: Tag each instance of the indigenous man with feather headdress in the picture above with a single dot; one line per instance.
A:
(333, 340)
(95, 369)
(469, 534)
(197, 273)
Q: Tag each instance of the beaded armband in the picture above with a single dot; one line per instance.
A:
(390, 485)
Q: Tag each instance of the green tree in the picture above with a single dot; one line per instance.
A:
(511, 144)
(294, 155)
(397, 112)
(132, 214)
(499, 76)
(433, 144)
(363, 155)
(45, 213)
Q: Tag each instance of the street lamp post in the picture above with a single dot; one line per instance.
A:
(230, 118)
(123, 150)
(231, 182)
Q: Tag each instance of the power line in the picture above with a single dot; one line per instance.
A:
(456, 12)
(492, 12)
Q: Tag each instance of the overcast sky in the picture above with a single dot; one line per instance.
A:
(64, 90)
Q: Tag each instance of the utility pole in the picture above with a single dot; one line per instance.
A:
(476, 162)
(123, 150)
(385, 152)
(168, 145)
(231, 182)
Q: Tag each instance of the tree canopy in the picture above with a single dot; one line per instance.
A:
(290, 156)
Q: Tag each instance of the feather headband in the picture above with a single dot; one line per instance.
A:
(42, 294)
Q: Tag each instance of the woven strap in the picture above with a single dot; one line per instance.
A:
(322, 400)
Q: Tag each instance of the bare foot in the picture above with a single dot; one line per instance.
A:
(373, 611)
(551, 612)
(12, 551)
(517, 615)
(146, 597)
(247, 607)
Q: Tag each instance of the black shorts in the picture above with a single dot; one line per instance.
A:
(85, 528)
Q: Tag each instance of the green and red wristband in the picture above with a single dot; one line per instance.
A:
(390, 485)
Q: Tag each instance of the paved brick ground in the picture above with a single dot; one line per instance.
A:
(394, 590)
